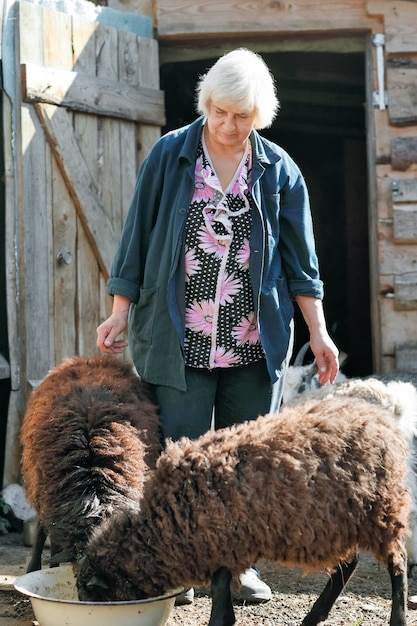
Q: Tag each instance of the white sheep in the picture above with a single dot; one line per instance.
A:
(300, 378)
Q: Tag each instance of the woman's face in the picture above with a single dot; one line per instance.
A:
(229, 125)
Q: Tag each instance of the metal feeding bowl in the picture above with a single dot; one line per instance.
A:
(54, 599)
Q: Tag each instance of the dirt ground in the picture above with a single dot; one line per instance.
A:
(365, 602)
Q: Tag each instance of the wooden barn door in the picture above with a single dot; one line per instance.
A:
(90, 109)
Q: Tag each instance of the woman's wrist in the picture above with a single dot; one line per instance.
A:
(121, 304)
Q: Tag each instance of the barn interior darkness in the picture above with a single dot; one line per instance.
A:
(322, 124)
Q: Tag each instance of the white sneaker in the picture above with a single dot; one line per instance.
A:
(248, 587)
(187, 597)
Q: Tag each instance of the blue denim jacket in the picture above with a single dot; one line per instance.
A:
(149, 268)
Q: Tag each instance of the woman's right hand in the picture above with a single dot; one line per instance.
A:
(113, 326)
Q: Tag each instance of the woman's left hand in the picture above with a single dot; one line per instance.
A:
(323, 348)
(327, 357)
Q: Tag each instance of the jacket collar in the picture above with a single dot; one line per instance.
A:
(265, 152)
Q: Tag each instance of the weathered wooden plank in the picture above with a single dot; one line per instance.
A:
(12, 260)
(13, 248)
(149, 76)
(58, 51)
(65, 272)
(188, 18)
(107, 62)
(88, 294)
(12, 450)
(406, 357)
(141, 7)
(387, 364)
(402, 95)
(373, 186)
(404, 153)
(384, 192)
(131, 57)
(59, 131)
(404, 208)
(395, 146)
(37, 245)
(84, 46)
(405, 290)
(400, 18)
(88, 283)
(405, 223)
(148, 63)
(382, 136)
(397, 327)
(100, 96)
(31, 25)
(394, 258)
(404, 190)
(86, 133)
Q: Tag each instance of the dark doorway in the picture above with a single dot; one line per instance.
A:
(322, 125)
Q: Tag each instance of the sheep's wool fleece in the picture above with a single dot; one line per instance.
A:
(305, 487)
(89, 436)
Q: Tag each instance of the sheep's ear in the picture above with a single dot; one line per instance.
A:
(312, 371)
(343, 357)
(299, 359)
(96, 581)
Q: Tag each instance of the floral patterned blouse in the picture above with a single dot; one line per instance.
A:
(220, 322)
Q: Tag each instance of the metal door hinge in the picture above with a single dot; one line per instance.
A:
(380, 96)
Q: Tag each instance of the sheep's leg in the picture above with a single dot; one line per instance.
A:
(321, 608)
(35, 562)
(399, 585)
(222, 613)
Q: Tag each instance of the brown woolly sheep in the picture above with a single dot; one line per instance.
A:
(308, 487)
(89, 436)
(397, 392)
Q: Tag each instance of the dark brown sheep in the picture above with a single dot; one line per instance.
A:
(90, 434)
(396, 392)
(307, 487)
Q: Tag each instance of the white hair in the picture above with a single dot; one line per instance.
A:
(240, 78)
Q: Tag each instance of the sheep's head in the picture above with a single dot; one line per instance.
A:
(301, 379)
(96, 585)
(108, 570)
(92, 586)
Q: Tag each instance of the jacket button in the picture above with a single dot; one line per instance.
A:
(182, 211)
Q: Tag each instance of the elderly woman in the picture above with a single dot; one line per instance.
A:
(217, 245)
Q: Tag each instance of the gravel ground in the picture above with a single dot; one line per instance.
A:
(365, 602)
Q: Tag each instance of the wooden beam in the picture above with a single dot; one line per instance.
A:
(404, 153)
(402, 89)
(405, 222)
(405, 289)
(101, 96)
(398, 328)
(406, 357)
(404, 190)
(59, 132)
(186, 19)
(400, 21)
